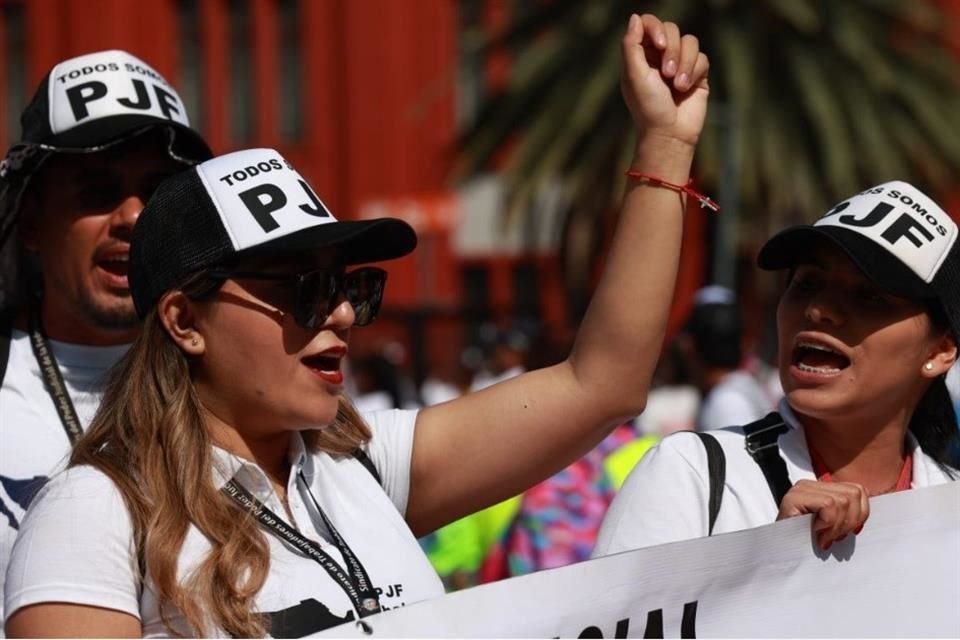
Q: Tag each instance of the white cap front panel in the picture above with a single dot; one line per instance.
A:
(109, 83)
(901, 219)
(260, 197)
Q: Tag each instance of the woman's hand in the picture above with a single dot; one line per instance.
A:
(841, 508)
(664, 80)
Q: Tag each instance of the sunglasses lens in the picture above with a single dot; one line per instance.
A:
(363, 288)
(318, 292)
(315, 292)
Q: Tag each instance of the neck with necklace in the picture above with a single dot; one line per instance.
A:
(876, 460)
(902, 479)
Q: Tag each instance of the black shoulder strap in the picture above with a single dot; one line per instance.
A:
(365, 460)
(762, 444)
(6, 334)
(717, 471)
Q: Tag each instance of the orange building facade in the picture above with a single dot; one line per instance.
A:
(361, 96)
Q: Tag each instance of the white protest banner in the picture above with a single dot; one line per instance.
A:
(899, 578)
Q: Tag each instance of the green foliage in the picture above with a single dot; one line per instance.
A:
(813, 100)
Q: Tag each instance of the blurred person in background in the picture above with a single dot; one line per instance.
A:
(440, 386)
(100, 133)
(556, 522)
(674, 399)
(378, 382)
(507, 351)
(712, 343)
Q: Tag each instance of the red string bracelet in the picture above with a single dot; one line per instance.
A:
(705, 202)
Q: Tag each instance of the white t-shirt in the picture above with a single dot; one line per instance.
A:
(33, 442)
(75, 544)
(665, 497)
(737, 399)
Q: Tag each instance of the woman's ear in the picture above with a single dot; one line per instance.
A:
(178, 316)
(942, 357)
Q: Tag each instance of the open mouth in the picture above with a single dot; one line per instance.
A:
(326, 365)
(116, 264)
(815, 357)
(322, 362)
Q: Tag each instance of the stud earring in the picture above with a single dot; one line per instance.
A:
(928, 366)
(194, 343)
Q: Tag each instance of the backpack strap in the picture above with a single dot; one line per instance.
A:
(762, 444)
(717, 473)
(365, 460)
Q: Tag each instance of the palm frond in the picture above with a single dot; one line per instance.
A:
(811, 101)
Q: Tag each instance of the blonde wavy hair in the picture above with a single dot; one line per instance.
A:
(149, 437)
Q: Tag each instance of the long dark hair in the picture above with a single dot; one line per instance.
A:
(934, 421)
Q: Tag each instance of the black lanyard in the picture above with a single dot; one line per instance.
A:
(52, 380)
(356, 585)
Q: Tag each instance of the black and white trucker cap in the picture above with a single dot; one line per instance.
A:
(86, 104)
(895, 234)
(244, 203)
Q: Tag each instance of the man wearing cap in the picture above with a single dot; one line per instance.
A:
(711, 341)
(101, 132)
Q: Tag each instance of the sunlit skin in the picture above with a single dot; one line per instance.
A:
(78, 215)
(855, 413)
(886, 339)
(249, 366)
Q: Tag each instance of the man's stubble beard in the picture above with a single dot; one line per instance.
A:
(118, 314)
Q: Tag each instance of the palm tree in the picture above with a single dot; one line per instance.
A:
(812, 100)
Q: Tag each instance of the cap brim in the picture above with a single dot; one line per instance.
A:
(793, 246)
(23, 159)
(102, 133)
(360, 241)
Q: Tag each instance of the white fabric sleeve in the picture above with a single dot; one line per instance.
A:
(391, 450)
(76, 546)
(664, 499)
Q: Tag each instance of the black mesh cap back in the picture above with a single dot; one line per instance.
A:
(35, 119)
(947, 286)
(178, 234)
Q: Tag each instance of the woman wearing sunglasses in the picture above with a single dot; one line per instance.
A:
(868, 326)
(227, 486)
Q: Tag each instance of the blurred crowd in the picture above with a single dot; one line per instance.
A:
(708, 378)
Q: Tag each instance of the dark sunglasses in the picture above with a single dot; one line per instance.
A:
(315, 294)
